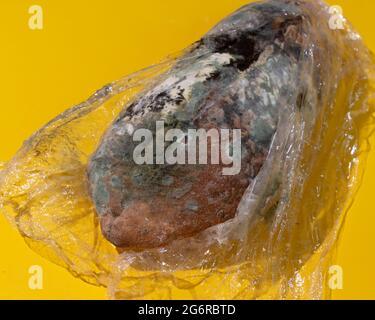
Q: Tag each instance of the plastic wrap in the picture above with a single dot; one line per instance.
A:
(281, 240)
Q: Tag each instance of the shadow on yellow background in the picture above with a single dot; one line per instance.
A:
(86, 44)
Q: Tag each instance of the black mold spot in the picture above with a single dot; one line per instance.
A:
(128, 111)
(301, 98)
(213, 76)
(246, 47)
(156, 103)
(241, 46)
(159, 101)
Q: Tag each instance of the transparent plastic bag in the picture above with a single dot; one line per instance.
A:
(282, 238)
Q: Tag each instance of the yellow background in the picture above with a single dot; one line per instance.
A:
(86, 44)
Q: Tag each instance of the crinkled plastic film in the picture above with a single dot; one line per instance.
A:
(316, 161)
